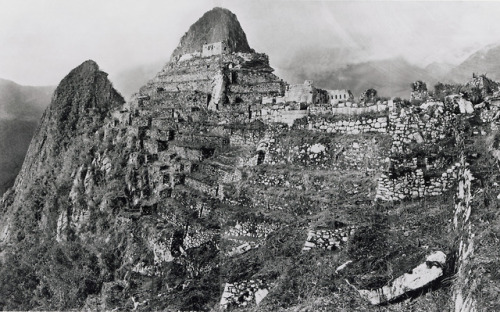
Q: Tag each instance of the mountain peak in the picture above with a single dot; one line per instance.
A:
(87, 68)
(216, 25)
(81, 101)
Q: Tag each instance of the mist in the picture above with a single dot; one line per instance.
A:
(42, 40)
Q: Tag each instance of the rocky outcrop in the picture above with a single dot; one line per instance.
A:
(78, 109)
(420, 276)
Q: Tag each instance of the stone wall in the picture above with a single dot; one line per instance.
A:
(250, 229)
(305, 93)
(407, 125)
(215, 48)
(203, 187)
(347, 126)
(278, 113)
(329, 239)
(197, 236)
(415, 185)
(243, 293)
(335, 96)
(359, 110)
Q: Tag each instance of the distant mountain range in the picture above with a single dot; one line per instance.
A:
(485, 61)
(390, 77)
(21, 108)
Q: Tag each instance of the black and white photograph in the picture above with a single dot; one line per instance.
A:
(249, 155)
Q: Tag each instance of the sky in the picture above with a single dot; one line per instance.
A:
(42, 40)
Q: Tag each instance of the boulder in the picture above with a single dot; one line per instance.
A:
(421, 276)
(465, 106)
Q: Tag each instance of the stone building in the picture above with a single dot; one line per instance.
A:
(215, 48)
(305, 93)
(336, 96)
(302, 93)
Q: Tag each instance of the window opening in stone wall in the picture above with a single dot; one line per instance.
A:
(207, 152)
(162, 145)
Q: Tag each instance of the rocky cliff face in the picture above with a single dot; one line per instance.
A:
(78, 108)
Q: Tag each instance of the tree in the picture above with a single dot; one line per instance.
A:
(369, 95)
(419, 86)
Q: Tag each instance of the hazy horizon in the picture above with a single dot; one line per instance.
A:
(42, 40)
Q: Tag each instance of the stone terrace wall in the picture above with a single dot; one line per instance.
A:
(258, 230)
(346, 110)
(406, 126)
(361, 155)
(353, 126)
(329, 239)
(414, 185)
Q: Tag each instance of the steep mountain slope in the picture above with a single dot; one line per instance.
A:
(484, 61)
(439, 71)
(31, 208)
(20, 110)
(215, 25)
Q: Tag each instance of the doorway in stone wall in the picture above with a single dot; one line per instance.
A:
(209, 98)
(261, 155)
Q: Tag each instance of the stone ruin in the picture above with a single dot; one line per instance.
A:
(193, 134)
(243, 293)
(419, 91)
(328, 239)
